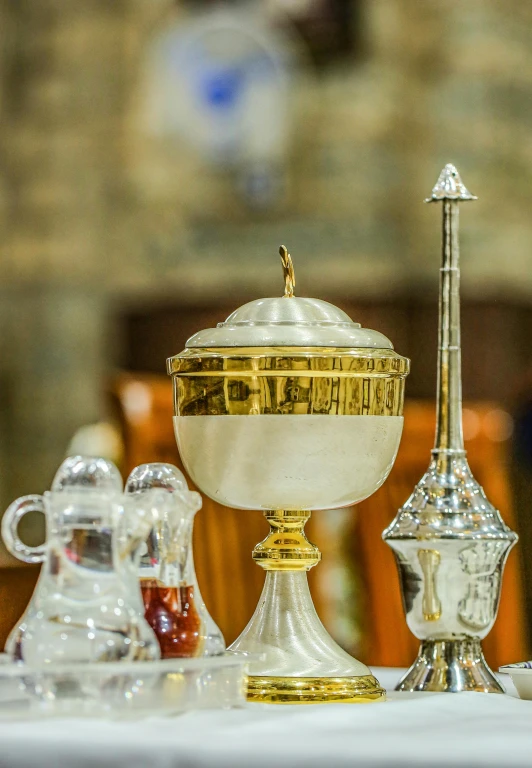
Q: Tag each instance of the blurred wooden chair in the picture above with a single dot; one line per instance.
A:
(17, 582)
(224, 538)
(387, 640)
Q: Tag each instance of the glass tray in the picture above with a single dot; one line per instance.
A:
(122, 689)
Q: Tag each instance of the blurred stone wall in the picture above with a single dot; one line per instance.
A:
(93, 215)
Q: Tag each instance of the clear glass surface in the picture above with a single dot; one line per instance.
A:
(87, 473)
(173, 604)
(122, 690)
(87, 605)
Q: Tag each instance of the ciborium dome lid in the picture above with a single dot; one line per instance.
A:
(289, 321)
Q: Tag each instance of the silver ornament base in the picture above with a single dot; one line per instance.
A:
(452, 666)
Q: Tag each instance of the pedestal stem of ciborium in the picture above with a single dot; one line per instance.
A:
(301, 662)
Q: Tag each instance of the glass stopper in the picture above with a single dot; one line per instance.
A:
(87, 473)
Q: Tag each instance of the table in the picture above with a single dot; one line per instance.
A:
(425, 729)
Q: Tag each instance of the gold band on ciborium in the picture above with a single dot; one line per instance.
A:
(341, 382)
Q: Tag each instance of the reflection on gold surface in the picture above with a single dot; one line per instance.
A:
(315, 690)
(288, 272)
(286, 548)
(343, 382)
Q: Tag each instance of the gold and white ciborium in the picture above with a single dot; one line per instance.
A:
(289, 407)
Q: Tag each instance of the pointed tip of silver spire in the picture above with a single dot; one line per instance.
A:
(450, 187)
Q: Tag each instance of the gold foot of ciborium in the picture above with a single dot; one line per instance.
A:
(287, 406)
(302, 663)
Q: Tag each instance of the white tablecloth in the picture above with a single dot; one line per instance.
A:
(428, 730)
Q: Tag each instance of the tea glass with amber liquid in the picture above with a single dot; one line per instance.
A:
(172, 601)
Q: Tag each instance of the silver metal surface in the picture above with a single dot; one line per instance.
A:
(450, 187)
(285, 628)
(456, 665)
(289, 321)
(450, 542)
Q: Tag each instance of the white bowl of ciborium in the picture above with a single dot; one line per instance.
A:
(284, 461)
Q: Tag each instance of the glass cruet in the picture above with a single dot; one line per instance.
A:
(86, 606)
(172, 599)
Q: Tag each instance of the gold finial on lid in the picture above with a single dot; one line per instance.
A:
(288, 272)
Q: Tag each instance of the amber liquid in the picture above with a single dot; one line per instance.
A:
(171, 613)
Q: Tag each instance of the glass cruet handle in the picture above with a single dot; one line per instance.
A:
(10, 522)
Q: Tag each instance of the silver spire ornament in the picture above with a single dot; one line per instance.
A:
(450, 543)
